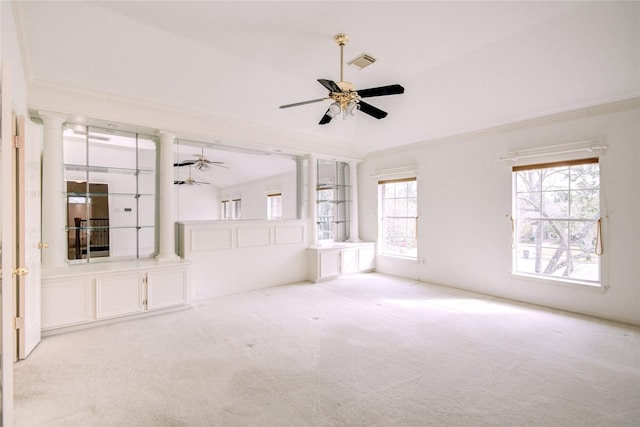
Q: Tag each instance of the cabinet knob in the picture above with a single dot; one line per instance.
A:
(42, 245)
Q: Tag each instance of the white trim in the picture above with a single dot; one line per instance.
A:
(611, 107)
(398, 172)
(24, 40)
(559, 281)
(571, 147)
(186, 124)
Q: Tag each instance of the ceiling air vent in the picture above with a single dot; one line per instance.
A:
(362, 61)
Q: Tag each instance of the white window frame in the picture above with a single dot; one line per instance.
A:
(236, 208)
(225, 211)
(274, 206)
(383, 216)
(519, 247)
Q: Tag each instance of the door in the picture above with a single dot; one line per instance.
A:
(29, 286)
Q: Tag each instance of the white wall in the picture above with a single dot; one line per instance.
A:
(254, 195)
(228, 257)
(196, 202)
(464, 207)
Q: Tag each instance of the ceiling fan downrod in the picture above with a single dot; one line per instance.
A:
(342, 40)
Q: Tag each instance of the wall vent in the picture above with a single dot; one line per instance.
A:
(362, 61)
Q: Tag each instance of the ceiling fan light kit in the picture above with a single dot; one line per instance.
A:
(346, 99)
(201, 163)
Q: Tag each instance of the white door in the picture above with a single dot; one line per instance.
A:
(29, 286)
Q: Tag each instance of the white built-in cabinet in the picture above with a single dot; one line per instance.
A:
(330, 261)
(81, 294)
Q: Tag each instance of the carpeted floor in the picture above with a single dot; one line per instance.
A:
(368, 350)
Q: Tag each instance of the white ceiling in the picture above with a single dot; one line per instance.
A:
(465, 65)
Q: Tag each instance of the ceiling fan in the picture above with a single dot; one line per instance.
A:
(189, 180)
(201, 163)
(346, 99)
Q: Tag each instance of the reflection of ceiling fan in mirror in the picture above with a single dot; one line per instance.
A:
(346, 99)
(189, 180)
(201, 163)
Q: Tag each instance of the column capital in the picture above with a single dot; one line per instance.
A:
(51, 119)
(166, 137)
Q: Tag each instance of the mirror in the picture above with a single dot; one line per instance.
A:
(216, 182)
(110, 189)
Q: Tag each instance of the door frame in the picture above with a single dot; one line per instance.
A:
(7, 238)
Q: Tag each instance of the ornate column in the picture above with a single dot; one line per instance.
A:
(312, 197)
(166, 226)
(354, 233)
(53, 200)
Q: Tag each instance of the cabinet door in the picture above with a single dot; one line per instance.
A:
(329, 263)
(166, 288)
(119, 295)
(349, 261)
(367, 256)
(66, 302)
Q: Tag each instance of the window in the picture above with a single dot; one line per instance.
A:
(398, 213)
(557, 220)
(230, 209)
(225, 211)
(236, 208)
(110, 183)
(274, 206)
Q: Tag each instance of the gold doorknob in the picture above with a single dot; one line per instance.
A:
(43, 245)
(22, 271)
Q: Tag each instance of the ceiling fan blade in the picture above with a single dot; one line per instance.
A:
(371, 110)
(381, 91)
(330, 84)
(325, 119)
(295, 104)
(184, 163)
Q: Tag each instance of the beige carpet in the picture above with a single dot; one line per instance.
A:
(369, 350)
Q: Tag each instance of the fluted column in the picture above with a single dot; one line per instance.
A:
(53, 200)
(354, 234)
(166, 232)
(312, 197)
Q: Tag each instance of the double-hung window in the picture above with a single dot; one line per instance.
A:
(236, 208)
(398, 214)
(274, 206)
(225, 210)
(557, 221)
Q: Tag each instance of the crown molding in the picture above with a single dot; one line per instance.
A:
(591, 111)
(24, 40)
(82, 105)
